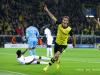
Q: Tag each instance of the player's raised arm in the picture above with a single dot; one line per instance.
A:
(50, 14)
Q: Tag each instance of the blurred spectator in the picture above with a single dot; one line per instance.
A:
(13, 13)
(13, 40)
(19, 30)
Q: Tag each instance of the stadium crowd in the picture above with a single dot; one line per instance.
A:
(16, 15)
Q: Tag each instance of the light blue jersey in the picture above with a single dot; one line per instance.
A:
(31, 34)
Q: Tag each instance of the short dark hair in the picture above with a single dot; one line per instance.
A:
(18, 52)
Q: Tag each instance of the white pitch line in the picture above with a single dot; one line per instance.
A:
(6, 54)
(87, 69)
(13, 72)
(84, 60)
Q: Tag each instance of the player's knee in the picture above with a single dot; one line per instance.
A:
(56, 57)
(58, 52)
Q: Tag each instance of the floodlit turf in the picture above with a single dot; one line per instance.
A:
(78, 61)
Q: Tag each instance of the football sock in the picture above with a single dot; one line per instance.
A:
(44, 58)
(47, 52)
(52, 61)
(42, 62)
(50, 50)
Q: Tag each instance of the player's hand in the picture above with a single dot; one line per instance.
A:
(45, 8)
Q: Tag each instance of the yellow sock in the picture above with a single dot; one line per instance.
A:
(57, 64)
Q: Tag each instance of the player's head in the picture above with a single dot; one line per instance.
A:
(65, 21)
(18, 52)
(46, 26)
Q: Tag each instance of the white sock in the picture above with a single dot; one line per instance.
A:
(34, 62)
(47, 52)
(42, 62)
(44, 58)
(50, 52)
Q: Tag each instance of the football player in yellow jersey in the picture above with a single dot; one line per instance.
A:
(63, 32)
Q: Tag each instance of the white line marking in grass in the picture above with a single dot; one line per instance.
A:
(96, 60)
(80, 69)
(12, 72)
(6, 54)
(87, 69)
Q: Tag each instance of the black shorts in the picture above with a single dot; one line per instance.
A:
(59, 48)
(49, 46)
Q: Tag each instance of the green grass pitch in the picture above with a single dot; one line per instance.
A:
(76, 61)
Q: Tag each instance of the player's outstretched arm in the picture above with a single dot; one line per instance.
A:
(24, 51)
(49, 13)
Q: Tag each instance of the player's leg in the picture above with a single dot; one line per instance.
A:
(44, 58)
(40, 62)
(58, 63)
(57, 52)
(41, 58)
(50, 49)
(58, 49)
(35, 41)
(43, 62)
(62, 47)
(47, 52)
(32, 44)
(53, 60)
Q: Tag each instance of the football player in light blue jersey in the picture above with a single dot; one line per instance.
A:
(32, 35)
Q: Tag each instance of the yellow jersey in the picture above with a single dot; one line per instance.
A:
(62, 35)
